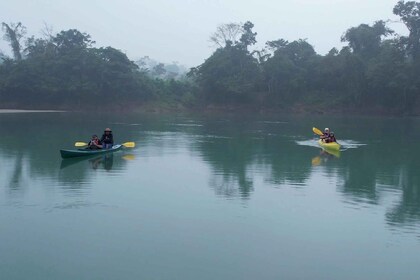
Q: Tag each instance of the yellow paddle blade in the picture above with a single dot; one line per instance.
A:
(129, 157)
(317, 131)
(80, 144)
(316, 161)
(129, 144)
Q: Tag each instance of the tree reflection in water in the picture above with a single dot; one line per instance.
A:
(237, 151)
(106, 161)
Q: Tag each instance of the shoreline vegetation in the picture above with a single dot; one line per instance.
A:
(376, 73)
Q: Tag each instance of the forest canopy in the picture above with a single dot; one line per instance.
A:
(376, 71)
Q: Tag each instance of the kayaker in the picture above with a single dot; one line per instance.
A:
(107, 139)
(326, 136)
(94, 143)
(332, 138)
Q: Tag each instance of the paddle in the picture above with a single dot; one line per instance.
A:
(317, 131)
(316, 161)
(126, 144)
(129, 157)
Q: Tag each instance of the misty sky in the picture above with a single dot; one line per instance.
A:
(179, 30)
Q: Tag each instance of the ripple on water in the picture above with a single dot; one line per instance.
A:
(345, 144)
(309, 142)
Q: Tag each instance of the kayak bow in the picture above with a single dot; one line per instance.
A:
(330, 146)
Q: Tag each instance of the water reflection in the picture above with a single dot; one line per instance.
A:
(229, 159)
(101, 161)
(17, 173)
(407, 210)
(76, 173)
(330, 153)
(237, 151)
(325, 156)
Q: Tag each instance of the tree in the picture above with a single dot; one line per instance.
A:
(365, 40)
(72, 40)
(159, 70)
(234, 34)
(229, 75)
(248, 37)
(388, 77)
(39, 47)
(276, 44)
(226, 34)
(410, 14)
(13, 34)
(289, 71)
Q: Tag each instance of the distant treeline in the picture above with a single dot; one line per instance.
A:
(377, 71)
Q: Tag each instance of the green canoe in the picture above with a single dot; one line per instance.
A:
(88, 152)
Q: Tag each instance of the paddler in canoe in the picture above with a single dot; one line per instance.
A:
(327, 139)
(107, 139)
(94, 143)
(332, 137)
(327, 136)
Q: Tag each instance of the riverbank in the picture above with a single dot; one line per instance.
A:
(6, 111)
(296, 109)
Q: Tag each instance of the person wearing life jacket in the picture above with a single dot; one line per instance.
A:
(94, 143)
(107, 139)
(332, 138)
(326, 136)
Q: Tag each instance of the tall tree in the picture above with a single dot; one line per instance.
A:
(364, 39)
(290, 69)
(410, 14)
(225, 34)
(13, 33)
(72, 40)
(248, 37)
(230, 75)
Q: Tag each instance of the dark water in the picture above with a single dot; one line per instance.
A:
(227, 197)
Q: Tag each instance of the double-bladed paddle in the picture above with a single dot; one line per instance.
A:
(126, 144)
(317, 131)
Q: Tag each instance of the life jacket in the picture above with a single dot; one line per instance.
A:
(91, 144)
(107, 138)
(326, 137)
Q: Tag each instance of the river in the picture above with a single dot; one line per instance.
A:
(209, 197)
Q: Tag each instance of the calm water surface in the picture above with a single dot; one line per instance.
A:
(227, 197)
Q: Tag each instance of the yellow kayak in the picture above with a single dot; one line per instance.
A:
(330, 146)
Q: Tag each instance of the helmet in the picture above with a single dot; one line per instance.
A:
(326, 129)
(332, 133)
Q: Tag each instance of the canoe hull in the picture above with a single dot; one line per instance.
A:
(333, 146)
(87, 152)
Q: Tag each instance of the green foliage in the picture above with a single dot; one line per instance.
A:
(365, 40)
(229, 75)
(67, 71)
(248, 37)
(288, 73)
(409, 13)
